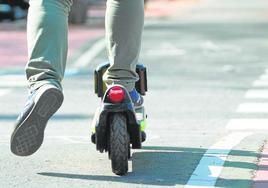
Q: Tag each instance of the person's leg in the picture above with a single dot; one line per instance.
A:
(124, 25)
(47, 31)
(47, 48)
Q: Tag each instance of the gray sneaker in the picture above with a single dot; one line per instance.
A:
(136, 98)
(29, 129)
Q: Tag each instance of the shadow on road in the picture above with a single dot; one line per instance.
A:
(166, 166)
(58, 117)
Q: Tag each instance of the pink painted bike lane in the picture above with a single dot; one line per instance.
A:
(167, 8)
(13, 44)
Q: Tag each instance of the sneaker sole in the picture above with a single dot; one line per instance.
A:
(28, 137)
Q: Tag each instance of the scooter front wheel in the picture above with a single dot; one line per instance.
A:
(119, 144)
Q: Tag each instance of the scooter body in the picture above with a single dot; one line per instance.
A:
(117, 125)
(102, 117)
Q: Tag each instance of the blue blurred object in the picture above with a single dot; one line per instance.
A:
(136, 98)
(12, 10)
(6, 12)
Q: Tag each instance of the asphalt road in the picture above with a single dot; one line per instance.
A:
(201, 69)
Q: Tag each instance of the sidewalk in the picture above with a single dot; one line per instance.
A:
(13, 49)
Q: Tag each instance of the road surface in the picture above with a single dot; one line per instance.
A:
(207, 107)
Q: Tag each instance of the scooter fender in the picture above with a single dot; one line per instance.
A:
(102, 125)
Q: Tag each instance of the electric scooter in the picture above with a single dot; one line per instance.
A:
(117, 125)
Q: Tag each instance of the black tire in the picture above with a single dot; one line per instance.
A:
(119, 144)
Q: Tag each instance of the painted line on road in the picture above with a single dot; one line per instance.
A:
(253, 108)
(247, 124)
(211, 164)
(72, 139)
(5, 139)
(260, 83)
(166, 49)
(3, 92)
(96, 49)
(90, 54)
(13, 81)
(257, 94)
(18, 79)
(266, 71)
(263, 77)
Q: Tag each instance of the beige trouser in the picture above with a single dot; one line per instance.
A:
(47, 32)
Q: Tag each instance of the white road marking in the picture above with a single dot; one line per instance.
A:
(13, 81)
(253, 108)
(100, 45)
(152, 136)
(215, 170)
(266, 70)
(72, 139)
(165, 49)
(90, 54)
(4, 92)
(196, 186)
(247, 124)
(4, 140)
(67, 139)
(212, 46)
(263, 77)
(257, 93)
(211, 164)
(260, 83)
